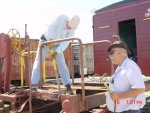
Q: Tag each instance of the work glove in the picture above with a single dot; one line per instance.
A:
(50, 45)
(53, 54)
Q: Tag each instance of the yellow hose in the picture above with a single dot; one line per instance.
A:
(24, 53)
(22, 67)
(44, 72)
(55, 69)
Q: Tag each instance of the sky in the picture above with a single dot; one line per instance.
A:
(38, 14)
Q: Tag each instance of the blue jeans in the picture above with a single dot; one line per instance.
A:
(131, 111)
(61, 64)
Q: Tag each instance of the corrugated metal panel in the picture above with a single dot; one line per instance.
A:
(88, 59)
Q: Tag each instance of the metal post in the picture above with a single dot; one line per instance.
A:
(1, 63)
(1, 66)
(29, 72)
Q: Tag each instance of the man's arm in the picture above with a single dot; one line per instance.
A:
(130, 93)
(62, 47)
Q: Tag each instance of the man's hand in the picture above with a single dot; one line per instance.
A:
(114, 96)
(50, 45)
(53, 55)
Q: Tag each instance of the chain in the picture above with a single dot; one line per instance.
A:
(101, 79)
(104, 78)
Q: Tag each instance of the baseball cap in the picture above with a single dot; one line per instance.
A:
(74, 22)
(118, 44)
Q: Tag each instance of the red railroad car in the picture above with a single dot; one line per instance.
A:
(130, 19)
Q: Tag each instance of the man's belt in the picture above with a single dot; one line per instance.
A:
(43, 38)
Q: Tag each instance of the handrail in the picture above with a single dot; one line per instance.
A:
(97, 42)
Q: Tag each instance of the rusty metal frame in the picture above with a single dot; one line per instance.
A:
(81, 60)
(90, 100)
(84, 99)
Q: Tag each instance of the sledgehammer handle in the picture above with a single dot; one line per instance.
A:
(105, 84)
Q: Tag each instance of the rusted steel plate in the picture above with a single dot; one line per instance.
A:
(48, 94)
(95, 100)
(10, 97)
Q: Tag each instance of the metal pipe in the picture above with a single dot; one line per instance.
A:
(72, 64)
(29, 72)
(95, 42)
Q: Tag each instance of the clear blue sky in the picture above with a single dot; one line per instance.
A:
(37, 14)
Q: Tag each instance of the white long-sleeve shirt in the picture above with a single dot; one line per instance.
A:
(57, 30)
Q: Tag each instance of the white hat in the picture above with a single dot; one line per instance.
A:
(74, 22)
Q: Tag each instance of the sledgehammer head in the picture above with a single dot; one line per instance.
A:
(66, 106)
(71, 103)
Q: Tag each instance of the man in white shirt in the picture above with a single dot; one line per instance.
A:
(126, 85)
(62, 27)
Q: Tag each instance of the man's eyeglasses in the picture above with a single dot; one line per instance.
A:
(112, 52)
